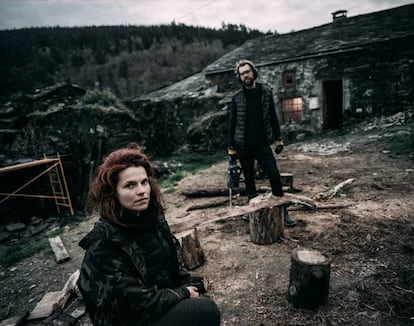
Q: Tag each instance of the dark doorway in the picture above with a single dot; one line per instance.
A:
(332, 94)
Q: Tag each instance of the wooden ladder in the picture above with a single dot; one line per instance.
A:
(58, 185)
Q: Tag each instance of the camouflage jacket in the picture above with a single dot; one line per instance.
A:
(112, 277)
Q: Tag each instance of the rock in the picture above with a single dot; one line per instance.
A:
(35, 220)
(40, 228)
(78, 312)
(3, 250)
(4, 236)
(15, 227)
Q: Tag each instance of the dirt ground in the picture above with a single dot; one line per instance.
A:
(370, 242)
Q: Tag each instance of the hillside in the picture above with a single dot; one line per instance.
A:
(129, 60)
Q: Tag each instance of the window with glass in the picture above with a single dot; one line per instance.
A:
(292, 110)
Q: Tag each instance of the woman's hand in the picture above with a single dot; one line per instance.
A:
(193, 292)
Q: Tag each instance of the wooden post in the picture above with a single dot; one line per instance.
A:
(309, 279)
(193, 255)
(266, 224)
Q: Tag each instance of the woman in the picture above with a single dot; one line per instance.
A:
(132, 273)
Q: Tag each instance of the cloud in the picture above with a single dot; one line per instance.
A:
(280, 15)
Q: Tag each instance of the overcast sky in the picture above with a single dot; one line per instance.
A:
(282, 16)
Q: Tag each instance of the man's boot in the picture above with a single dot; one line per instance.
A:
(288, 221)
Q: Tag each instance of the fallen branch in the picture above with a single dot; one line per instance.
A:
(301, 200)
(332, 192)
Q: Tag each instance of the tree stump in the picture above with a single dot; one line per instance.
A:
(192, 253)
(266, 224)
(309, 279)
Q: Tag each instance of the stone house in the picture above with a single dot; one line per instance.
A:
(326, 75)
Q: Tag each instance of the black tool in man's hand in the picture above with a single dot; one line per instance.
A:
(279, 146)
(233, 173)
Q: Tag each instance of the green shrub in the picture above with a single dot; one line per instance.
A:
(190, 163)
(102, 98)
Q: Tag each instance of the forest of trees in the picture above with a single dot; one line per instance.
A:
(128, 60)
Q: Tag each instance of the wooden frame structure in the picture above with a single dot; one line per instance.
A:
(54, 168)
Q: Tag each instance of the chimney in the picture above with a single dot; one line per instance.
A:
(339, 15)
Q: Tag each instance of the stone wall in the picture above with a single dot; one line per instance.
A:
(84, 134)
(164, 124)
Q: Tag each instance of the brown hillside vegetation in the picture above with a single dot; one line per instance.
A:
(369, 240)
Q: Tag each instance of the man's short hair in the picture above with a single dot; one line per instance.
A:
(242, 63)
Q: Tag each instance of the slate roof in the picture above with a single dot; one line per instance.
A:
(63, 89)
(195, 86)
(344, 34)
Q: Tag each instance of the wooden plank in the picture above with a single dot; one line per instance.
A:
(27, 165)
(198, 220)
(54, 301)
(44, 307)
(59, 249)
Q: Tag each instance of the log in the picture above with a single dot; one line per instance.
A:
(266, 224)
(213, 192)
(224, 191)
(192, 252)
(309, 279)
(208, 205)
(59, 249)
(321, 207)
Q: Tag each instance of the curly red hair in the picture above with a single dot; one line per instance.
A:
(102, 190)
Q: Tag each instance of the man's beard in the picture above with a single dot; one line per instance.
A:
(248, 82)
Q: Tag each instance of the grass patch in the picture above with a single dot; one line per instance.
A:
(19, 252)
(170, 181)
(189, 163)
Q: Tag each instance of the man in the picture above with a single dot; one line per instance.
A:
(253, 127)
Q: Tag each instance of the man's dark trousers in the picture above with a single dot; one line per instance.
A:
(264, 156)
